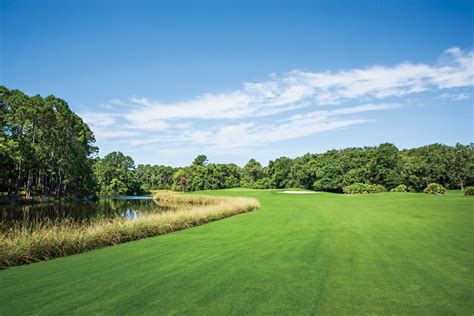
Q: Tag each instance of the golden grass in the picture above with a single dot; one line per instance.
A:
(27, 244)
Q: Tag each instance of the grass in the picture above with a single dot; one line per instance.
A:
(32, 243)
(386, 253)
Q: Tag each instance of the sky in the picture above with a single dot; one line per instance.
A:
(165, 81)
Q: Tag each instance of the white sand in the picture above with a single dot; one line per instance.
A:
(297, 192)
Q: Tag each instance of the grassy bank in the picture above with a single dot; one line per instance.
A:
(27, 244)
(386, 253)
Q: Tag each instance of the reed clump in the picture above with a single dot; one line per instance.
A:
(23, 244)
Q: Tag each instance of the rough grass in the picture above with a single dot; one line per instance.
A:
(27, 244)
(313, 254)
(177, 198)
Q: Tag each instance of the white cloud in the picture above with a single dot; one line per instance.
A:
(298, 89)
(249, 134)
(347, 110)
(99, 119)
(233, 119)
(454, 96)
(113, 134)
(296, 126)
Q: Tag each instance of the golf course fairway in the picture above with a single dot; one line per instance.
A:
(324, 253)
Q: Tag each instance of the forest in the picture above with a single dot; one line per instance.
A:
(385, 165)
(46, 150)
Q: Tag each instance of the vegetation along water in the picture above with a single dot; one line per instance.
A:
(130, 207)
(23, 243)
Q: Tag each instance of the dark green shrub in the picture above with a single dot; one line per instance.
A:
(469, 191)
(264, 183)
(363, 188)
(400, 188)
(434, 188)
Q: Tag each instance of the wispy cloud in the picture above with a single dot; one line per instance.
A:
(296, 126)
(113, 133)
(455, 96)
(251, 134)
(240, 118)
(99, 119)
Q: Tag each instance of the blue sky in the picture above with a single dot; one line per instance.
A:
(166, 81)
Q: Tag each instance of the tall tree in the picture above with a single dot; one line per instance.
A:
(115, 175)
(463, 165)
(252, 172)
(46, 148)
(200, 160)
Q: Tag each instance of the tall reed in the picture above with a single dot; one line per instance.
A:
(50, 239)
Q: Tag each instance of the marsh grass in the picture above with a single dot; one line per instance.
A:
(23, 244)
(178, 198)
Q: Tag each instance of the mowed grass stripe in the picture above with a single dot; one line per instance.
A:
(303, 254)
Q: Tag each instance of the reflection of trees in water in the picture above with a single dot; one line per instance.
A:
(79, 211)
(131, 214)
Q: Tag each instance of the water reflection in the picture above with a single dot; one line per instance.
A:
(131, 214)
(131, 207)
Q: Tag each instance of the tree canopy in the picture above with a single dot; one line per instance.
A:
(115, 174)
(46, 149)
(384, 165)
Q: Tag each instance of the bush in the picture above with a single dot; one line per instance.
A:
(400, 188)
(469, 191)
(363, 188)
(264, 183)
(434, 188)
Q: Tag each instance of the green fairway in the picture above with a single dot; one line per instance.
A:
(299, 253)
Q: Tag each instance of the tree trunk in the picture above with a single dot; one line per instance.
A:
(59, 185)
(46, 185)
(29, 186)
(29, 182)
(17, 182)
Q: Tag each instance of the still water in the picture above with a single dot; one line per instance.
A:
(131, 207)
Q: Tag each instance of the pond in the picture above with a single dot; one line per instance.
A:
(131, 207)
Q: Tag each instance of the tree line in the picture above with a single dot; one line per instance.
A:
(384, 165)
(47, 150)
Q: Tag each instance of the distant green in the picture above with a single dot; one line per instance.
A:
(385, 253)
